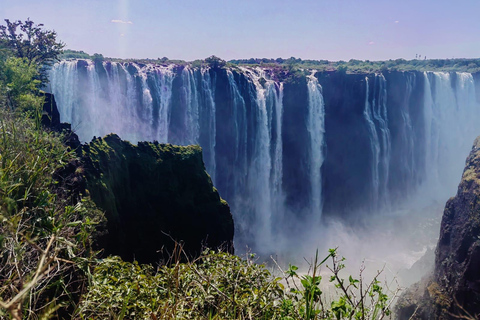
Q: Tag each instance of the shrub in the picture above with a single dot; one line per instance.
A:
(222, 286)
(214, 286)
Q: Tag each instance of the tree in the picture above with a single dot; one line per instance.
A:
(31, 42)
(17, 78)
(98, 58)
(215, 62)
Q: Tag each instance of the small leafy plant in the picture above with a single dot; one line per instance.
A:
(354, 298)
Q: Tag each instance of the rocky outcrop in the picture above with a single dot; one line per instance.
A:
(154, 194)
(51, 120)
(453, 290)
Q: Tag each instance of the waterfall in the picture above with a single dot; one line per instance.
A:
(407, 133)
(132, 123)
(190, 92)
(376, 116)
(451, 123)
(316, 130)
(259, 183)
(208, 89)
(264, 137)
(64, 83)
(380, 114)
(240, 122)
(276, 89)
(374, 147)
(162, 84)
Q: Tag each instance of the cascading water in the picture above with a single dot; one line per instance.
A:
(316, 130)
(209, 127)
(240, 133)
(374, 146)
(276, 90)
(451, 114)
(376, 116)
(258, 133)
(380, 114)
(190, 96)
(65, 82)
(407, 132)
(265, 171)
(162, 83)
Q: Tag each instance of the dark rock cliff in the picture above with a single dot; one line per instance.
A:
(153, 194)
(346, 168)
(453, 290)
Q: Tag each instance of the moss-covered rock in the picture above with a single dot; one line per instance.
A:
(154, 194)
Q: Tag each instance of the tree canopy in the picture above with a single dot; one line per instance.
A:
(31, 42)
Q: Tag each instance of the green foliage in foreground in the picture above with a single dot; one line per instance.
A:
(44, 239)
(224, 286)
(45, 235)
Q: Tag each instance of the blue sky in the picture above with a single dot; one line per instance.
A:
(309, 29)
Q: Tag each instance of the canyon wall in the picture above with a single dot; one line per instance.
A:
(288, 150)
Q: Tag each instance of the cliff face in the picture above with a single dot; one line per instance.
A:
(457, 263)
(153, 194)
(454, 288)
(287, 148)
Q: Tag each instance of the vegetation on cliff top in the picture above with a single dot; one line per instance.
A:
(292, 64)
(366, 66)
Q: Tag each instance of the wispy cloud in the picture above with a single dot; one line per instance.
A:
(371, 43)
(397, 21)
(121, 21)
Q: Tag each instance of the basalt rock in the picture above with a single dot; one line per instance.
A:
(153, 195)
(453, 290)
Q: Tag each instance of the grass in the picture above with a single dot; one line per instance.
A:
(45, 239)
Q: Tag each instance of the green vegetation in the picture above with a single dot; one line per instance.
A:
(222, 286)
(366, 66)
(45, 238)
(297, 65)
(73, 54)
(20, 87)
(31, 43)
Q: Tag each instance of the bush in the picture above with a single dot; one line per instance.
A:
(223, 286)
(20, 84)
(214, 286)
(215, 62)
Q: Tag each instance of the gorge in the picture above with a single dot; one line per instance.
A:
(288, 150)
